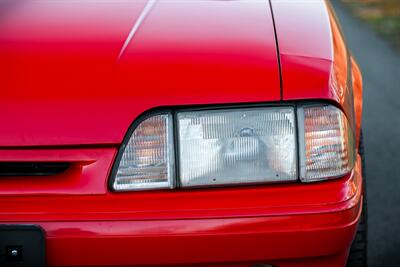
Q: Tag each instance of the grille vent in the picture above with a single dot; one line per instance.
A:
(32, 168)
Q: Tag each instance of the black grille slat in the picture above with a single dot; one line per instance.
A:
(32, 168)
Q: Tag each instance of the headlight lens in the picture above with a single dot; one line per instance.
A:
(237, 146)
(327, 144)
(148, 159)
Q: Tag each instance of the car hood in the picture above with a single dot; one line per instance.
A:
(80, 72)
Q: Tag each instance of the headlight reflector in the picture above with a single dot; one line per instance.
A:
(327, 145)
(234, 146)
(148, 158)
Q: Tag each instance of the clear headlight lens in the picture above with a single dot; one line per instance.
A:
(148, 158)
(327, 144)
(237, 146)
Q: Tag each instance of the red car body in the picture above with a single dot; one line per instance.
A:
(73, 82)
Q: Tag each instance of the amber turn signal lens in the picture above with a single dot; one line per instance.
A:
(148, 158)
(327, 143)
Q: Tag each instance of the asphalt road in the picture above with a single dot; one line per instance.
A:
(380, 66)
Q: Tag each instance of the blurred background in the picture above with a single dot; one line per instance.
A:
(372, 30)
(382, 15)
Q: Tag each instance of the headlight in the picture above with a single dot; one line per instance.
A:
(236, 146)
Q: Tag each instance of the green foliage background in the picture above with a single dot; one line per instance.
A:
(382, 15)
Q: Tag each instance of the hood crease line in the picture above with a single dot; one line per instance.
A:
(146, 10)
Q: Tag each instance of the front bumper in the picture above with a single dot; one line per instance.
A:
(261, 239)
(216, 227)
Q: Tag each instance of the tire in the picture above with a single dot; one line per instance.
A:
(358, 250)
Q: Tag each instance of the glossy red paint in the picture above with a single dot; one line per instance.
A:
(68, 95)
(60, 64)
(305, 47)
(261, 239)
(87, 174)
(229, 202)
(243, 225)
(358, 90)
(315, 61)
